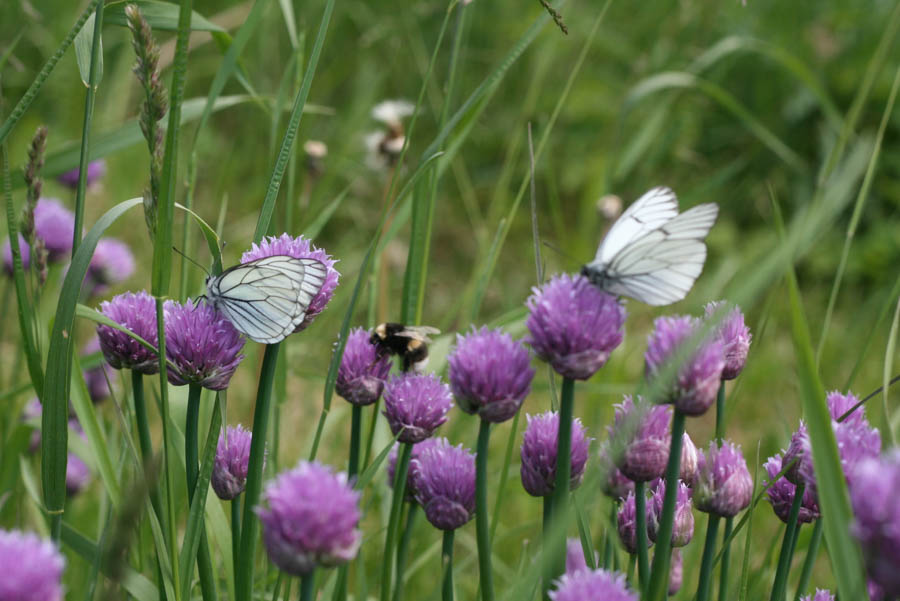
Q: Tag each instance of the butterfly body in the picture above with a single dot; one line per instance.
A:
(267, 299)
(653, 253)
(408, 342)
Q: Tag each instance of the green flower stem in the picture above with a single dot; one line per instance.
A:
(811, 553)
(400, 473)
(787, 546)
(547, 577)
(504, 473)
(720, 412)
(192, 469)
(235, 531)
(726, 559)
(250, 526)
(447, 565)
(659, 570)
(403, 550)
(370, 435)
(640, 532)
(340, 589)
(608, 537)
(563, 473)
(629, 571)
(308, 587)
(709, 552)
(482, 528)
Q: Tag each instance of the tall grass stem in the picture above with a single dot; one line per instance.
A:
(726, 559)
(640, 523)
(447, 565)
(191, 465)
(400, 473)
(812, 552)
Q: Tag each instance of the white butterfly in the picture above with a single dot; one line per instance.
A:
(267, 299)
(651, 253)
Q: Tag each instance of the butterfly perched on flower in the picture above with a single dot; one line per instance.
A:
(652, 253)
(267, 299)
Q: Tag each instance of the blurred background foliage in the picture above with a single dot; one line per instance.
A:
(717, 100)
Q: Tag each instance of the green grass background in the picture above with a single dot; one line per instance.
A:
(793, 70)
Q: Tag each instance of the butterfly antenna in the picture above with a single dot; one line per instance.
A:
(205, 270)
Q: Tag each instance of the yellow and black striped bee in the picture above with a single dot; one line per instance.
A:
(408, 342)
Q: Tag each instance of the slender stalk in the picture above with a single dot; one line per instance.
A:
(447, 565)
(482, 529)
(400, 473)
(709, 552)
(811, 553)
(659, 570)
(504, 473)
(546, 525)
(720, 412)
(250, 525)
(235, 531)
(787, 546)
(340, 589)
(308, 587)
(370, 435)
(608, 538)
(629, 571)
(84, 158)
(640, 523)
(563, 473)
(192, 470)
(403, 549)
(726, 559)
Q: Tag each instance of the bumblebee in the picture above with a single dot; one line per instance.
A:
(408, 342)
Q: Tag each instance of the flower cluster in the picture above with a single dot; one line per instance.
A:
(781, 494)
(539, 446)
(645, 433)
(362, 373)
(32, 568)
(444, 481)
(734, 336)
(415, 405)
(724, 485)
(593, 585)
(135, 312)
(683, 530)
(229, 475)
(412, 471)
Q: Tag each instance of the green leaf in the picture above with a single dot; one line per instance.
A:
(161, 16)
(54, 419)
(83, 45)
(212, 240)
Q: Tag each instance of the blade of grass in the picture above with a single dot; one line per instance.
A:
(162, 16)
(857, 214)
(748, 539)
(42, 76)
(876, 328)
(84, 53)
(886, 377)
(268, 206)
(846, 558)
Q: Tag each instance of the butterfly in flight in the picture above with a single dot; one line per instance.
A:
(652, 253)
(266, 299)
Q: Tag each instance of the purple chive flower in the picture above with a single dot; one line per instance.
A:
(111, 264)
(876, 593)
(592, 585)
(626, 524)
(575, 561)
(415, 405)
(445, 484)
(683, 529)
(821, 595)
(839, 404)
(229, 475)
(724, 486)
(362, 373)
(7, 255)
(137, 313)
(409, 493)
(311, 519)
(876, 524)
(490, 374)
(574, 325)
(33, 568)
(855, 441)
(299, 248)
(735, 338)
(202, 343)
(539, 453)
(647, 436)
(690, 461)
(797, 453)
(95, 171)
(676, 572)
(96, 378)
(614, 483)
(55, 225)
(781, 494)
(697, 381)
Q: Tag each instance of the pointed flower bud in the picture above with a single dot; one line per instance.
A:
(311, 519)
(539, 446)
(362, 373)
(229, 475)
(137, 313)
(299, 248)
(415, 405)
(689, 467)
(683, 528)
(781, 494)
(724, 486)
(33, 568)
(626, 524)
(646, 432)
(593, 585)
(697, 382)
(735, 338)
(204, 346)
(574, 325)
(445, 484)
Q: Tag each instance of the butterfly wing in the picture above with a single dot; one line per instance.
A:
(268, 298)
(661, 266)
(647, 213)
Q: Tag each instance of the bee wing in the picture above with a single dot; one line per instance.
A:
(418, 332)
